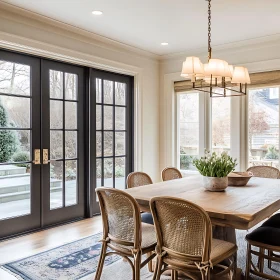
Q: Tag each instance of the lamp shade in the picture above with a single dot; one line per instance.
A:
(192, 67)
(240, 76)
(217, 68)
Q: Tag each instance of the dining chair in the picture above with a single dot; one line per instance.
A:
(185, 243)
(266, 239)
(264, 172)
(123, 232)
(170, 173)
(138, 179)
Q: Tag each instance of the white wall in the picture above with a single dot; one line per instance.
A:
(28, 32)
(258, 55)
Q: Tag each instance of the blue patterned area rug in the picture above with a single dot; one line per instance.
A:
(75, 260)
(78, 261)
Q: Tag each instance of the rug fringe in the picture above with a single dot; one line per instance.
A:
(12, 273)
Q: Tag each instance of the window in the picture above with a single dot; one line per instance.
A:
(221, 124)
(189, 129)
(263, 127)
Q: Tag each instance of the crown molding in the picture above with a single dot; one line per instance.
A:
(232, 48)
(28, 17)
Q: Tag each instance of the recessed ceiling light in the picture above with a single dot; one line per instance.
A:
(164, 44)
(97, 13)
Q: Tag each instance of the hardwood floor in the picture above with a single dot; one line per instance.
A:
(34, 243)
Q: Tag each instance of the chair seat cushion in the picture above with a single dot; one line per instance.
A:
(221, 250)
(147, 218)
(273, 221)
(265, 235)
(148, 238)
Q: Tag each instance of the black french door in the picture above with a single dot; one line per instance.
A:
(41, 143)
(19, 136)
(63, 187)
(64, 130)
(111, 130)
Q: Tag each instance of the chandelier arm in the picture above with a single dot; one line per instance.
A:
(209, 30)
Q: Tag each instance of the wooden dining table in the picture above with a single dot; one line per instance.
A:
(235, 208)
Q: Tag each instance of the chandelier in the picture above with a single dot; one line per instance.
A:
(216, 77)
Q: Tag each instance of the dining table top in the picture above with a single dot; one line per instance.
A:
(236, 207)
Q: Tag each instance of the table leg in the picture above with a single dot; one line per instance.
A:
(228, 234)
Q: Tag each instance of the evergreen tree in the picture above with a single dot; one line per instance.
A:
(8, 139)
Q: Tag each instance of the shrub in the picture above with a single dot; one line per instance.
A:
(21, 156)
(8, 138)
(272, 153)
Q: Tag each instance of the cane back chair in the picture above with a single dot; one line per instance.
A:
(170, 173)
(184, 241)
(264, 172)
(137, 179)
(123, 231)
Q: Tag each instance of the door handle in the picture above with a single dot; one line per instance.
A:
(37, 156)
(45, 156)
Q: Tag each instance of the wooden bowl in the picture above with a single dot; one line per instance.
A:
(238, 179)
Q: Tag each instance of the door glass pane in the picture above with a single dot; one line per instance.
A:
(120, 93)
(98, 91)
(120, 173)
(56, 84)
(14, 143)
(108, 117)
(71, 83)
(108, 92)
(189, 129)
(14, 190)
(56, 145)
(98, 117)
(70, 115)
(263, 127)
(70, 182)
(15, 173)
(15, 78)
(98, 144)
(17, 112)
(98, 172)
(221, 125)
(56, 114)
(120, 118)
(70, 144)
(108, 143)
(108, 172)
(120, 144)
(56, 186)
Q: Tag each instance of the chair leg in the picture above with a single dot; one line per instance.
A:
(269, 262)
(174, 275)
(137, 263)
(150, 263)
(234, 268)
(248, 262)
(261, 260)
(159, 266)
(155, 270)
(101, 261)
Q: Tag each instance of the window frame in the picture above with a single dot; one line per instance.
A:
(245, 160)
(205, 128)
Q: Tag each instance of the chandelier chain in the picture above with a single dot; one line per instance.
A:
(209, 29)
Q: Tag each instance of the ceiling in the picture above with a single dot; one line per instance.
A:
(145, 24)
